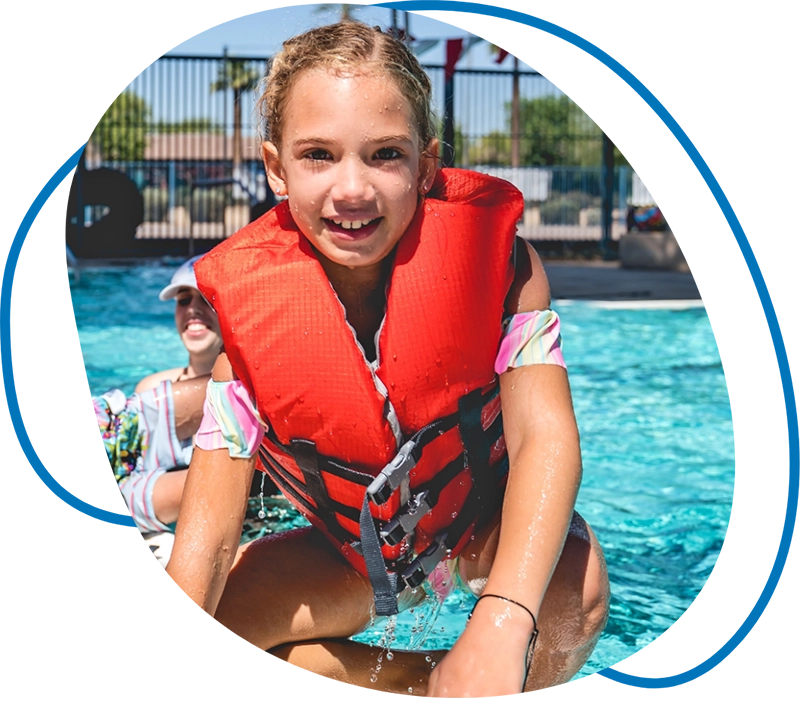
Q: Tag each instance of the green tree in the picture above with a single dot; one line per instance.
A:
(514, 107)
(121, 134)
(198, 125)
(554, 131)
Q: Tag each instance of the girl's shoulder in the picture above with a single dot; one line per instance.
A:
(151, 381)
(530, 289)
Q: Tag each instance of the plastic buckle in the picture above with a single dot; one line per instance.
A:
(406, 521)
(391, 476)
(426, 562)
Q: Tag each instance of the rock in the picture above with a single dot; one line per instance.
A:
(654, 250)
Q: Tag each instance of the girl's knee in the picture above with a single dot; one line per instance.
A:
(595, 604)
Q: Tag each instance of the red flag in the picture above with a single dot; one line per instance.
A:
(501, 55)
(452, 56)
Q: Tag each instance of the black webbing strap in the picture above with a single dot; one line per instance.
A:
(477, 447)
(294, 488)
(305, 454)
(384, 583)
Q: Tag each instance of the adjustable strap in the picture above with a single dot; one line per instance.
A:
(384, 583)
(295, 489)
(305, 454)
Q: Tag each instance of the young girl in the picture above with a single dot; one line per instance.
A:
(366, 320)
(148, 436)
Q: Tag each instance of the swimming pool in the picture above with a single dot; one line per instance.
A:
(656, 431)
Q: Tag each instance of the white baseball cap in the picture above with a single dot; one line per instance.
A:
(182, 278)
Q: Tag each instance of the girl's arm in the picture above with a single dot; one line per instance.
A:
(211, 517)
(544, 463)
(544, 475)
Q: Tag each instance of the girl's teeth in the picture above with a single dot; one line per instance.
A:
(352, 224)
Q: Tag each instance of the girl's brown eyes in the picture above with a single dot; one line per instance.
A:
(186, 300)
(318, 155)
(387, 154)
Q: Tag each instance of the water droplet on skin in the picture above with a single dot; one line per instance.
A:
(390, 656)
(427, 659)
(410, 690)
(373, 678)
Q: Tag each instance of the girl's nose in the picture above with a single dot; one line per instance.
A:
(352, 182)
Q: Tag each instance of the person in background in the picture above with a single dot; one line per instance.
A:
(149, 435)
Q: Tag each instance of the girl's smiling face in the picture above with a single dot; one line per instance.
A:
(351, 164)
(197, 322)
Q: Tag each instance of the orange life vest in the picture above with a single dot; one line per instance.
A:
(402, 457)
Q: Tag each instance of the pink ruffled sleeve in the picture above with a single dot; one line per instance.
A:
(230, 420)
(530, 339)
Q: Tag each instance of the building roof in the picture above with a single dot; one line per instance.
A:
(199, 146)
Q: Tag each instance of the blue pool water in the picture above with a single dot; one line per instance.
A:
(656, 431)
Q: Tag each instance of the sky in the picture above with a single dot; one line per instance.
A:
(262, 33)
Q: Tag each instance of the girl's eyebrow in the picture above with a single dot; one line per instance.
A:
(391, 138)
(405, 138)
(311, 140)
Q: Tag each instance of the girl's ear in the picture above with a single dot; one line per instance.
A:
(428, 164)
(274, 168)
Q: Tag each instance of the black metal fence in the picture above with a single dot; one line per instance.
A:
(183, 138)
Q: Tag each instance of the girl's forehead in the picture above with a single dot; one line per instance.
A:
(361, 87)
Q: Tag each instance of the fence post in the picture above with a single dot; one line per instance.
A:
(448, 150)
(607, 197)
(515, 115)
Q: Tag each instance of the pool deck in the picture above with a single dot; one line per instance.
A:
(594, 280)
(608, 281)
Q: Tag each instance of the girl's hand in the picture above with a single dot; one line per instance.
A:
(489, 657)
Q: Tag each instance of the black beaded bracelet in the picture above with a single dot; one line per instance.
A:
(534, 635)
(503, 598)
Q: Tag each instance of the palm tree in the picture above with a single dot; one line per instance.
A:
(240, 76)
(346, 9)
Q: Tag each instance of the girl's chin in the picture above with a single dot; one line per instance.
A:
(198, 343)
(351, 256)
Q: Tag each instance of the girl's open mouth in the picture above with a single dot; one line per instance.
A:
(196, 328)
(352, 230)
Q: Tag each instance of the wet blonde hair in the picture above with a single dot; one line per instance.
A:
(344, 47)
